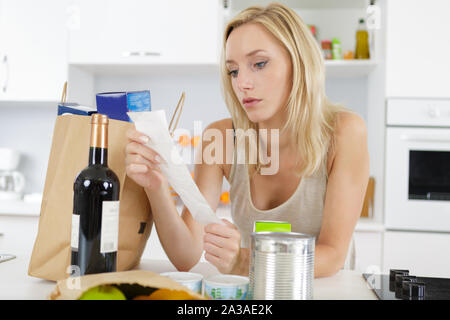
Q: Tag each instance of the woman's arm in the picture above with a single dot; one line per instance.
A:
(347, 183)
(180, 236)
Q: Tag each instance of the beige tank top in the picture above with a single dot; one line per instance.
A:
(303, 210)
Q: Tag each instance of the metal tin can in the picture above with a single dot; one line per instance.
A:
(281, 266)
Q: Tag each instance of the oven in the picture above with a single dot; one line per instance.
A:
(417, 168)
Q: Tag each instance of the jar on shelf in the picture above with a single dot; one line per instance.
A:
(326, 49)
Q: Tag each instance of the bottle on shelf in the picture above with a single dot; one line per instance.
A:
(95, 218)
(362, 41)
(336, 49)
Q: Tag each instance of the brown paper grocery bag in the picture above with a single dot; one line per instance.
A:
(68, 156)
(72, 288)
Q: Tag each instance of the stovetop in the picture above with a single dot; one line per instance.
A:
(408, 287)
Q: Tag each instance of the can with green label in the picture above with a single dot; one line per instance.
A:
(274, 226)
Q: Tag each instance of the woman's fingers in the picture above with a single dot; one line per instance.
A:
(214, 239)
(137, 168)
(215, 261)
(137, 136)
(227, 231)
(212, 249)
(147, 153)
(138, 159)
(229, 224)
(225, 238)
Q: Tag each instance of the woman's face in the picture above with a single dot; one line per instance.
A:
(261, 72)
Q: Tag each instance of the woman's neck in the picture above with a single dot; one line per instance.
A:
(274, 134)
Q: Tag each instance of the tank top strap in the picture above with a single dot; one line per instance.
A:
(233, 165)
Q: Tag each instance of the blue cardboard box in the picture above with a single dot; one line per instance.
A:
(75, 108)
(116, 104)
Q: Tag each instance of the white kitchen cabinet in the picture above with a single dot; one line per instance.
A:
(18, 234)
(368, 251)
(143, 32)
(422, 253)
(418, 47)
(33, 55)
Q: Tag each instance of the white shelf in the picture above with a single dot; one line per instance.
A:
(153, 69)
(349, 68)
(303, 4)
(20, 208)
(28, 103)
(334, 68)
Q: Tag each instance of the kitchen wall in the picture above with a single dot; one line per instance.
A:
(28, 126)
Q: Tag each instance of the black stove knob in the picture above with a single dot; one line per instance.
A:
(392, 274)
(405, 288)
(414, 290)
(399, 278)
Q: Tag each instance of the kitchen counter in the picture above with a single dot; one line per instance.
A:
(15, 284)
(20, 208)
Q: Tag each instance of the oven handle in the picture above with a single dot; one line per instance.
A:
(406, 137)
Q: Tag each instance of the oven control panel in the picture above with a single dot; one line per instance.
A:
(418, 112)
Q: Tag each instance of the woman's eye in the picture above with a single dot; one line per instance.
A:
(261, 64)
(233, 73)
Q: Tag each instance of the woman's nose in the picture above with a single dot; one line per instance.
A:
(244, 81)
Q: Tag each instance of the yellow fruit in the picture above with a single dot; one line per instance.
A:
(103, 293)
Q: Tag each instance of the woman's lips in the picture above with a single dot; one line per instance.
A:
(251, 103)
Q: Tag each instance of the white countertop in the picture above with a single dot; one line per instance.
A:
(20, 208)
(15, 284)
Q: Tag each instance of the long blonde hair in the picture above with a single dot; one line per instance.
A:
(310, 116)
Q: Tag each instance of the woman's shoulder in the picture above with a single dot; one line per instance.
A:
(349, 123)
(350, 132)
(221, 125)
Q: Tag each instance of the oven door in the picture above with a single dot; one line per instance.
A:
(417, 180)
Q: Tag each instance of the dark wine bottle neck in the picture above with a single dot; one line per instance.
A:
(98, 156)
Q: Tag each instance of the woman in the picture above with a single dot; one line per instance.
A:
(272, 78)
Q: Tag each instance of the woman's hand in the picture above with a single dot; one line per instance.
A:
(222, 244)
(142, 162)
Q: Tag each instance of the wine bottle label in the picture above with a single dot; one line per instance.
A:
(110, 227)
(75, 231)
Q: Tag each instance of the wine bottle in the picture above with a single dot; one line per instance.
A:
(95, 218)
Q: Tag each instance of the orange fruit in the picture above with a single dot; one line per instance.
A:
(184, 140)
(348, 55)
(166, 294)
(195, 141)
(225, 197)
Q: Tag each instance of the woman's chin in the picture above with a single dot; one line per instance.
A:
(256, 118)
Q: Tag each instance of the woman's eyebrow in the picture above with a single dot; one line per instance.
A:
(251, 53)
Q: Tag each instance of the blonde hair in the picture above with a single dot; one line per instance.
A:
(310, 116)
